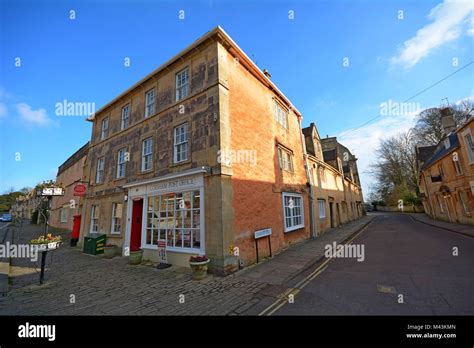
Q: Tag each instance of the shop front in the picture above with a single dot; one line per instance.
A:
(168, 209)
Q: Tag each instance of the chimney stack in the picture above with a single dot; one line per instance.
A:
(447, 120)
(266, 73)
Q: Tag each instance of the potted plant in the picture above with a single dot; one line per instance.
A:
(49, 242)
(135, 257)
(110, 251)
(198, 266)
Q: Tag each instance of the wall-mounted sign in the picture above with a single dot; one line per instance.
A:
(50, 191)
(80, 190)
(263, 233)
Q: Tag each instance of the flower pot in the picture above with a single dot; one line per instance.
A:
(110, 252)
(135, 257)
(42, 247)
(199, 269)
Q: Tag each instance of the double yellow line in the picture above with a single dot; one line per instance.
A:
(284, 296)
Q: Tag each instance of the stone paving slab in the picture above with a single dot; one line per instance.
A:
(467, 230)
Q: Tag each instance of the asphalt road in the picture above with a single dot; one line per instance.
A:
(402, 257)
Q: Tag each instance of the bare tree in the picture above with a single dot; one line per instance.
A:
(428, 128)
(395, 169)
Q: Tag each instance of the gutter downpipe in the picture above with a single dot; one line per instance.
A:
(313, 228)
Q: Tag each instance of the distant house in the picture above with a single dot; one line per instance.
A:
(63, 208)
(446, 173)
(334, 179)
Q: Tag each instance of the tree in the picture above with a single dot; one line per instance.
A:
(428, 128)
(395, 169)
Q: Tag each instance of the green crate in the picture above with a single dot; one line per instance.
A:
(94, 244)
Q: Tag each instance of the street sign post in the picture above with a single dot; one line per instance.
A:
(265, 233)
(47, 192)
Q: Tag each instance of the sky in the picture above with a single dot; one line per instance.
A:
(347, 66)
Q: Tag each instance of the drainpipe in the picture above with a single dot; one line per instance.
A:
(312, 222)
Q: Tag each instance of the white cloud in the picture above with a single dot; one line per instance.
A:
(448, 19)
(36, 117)
(3, 110)
(363, 142)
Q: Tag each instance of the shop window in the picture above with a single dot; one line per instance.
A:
(176, 219)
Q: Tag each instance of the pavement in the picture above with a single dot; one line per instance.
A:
(410, 268)
(80, 284)
(457, 228)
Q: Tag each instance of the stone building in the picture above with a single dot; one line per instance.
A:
(26, 205)
(63, 208)
(200, 154)
(446, 173)
(334, 180)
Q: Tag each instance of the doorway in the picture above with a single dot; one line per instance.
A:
(136, 230)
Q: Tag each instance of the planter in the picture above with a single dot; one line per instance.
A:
(48, 246)
(199, 269)
(110, 251)
(135, 257)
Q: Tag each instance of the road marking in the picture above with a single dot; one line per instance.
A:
(283, 297)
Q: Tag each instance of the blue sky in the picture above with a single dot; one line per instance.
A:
(391, 55)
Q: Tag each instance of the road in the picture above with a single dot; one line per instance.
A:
(402, 257)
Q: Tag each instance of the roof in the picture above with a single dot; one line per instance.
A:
(424, 152)
(76, 156)
(232, 47)
(441, 150)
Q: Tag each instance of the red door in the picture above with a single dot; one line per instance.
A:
(136, 235)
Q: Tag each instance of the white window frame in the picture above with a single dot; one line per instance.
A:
(285, 159)
(104, 128)
(458, 167)
(180, 146)
(464, 205)
(469, 144)
(116, 219)
(150, 99)
(147, 154)
(196, 231)
(121, 163)
(322, 208)
(281, 115)
(292, 212)
(94, 219)
(182, 84)
(125, 117)
(99, 173)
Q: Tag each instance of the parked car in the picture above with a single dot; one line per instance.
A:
(6, 218)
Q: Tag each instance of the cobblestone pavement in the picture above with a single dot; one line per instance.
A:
(81, 284)
(112, 287)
